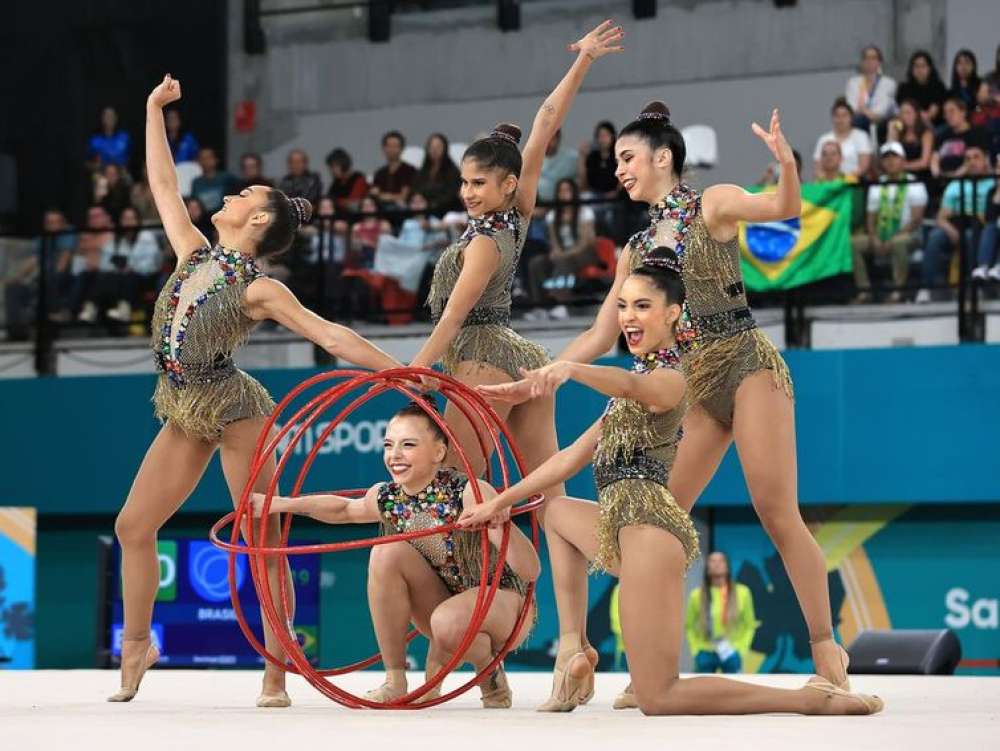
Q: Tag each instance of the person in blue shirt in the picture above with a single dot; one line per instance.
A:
(183, 146)
(963, 207)
(110, 144)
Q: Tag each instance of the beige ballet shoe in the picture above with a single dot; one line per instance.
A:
(278, 700)
(845, 661)
(870, 704)
(496, 691)
(128, 691)
(569, 684)
(385, 693)
(626, 699)
(592, 658)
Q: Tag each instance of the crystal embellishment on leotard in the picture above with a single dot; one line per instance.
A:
(640, 466)
(440, 500)
(680, 207)
(493, 222)
(669, 357)
(235, 267)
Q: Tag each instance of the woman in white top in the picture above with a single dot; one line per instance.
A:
(571, 247)
(129, 267)
(870, 93)
(855, 145)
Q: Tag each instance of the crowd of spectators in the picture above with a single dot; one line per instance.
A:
(925, 149)
(928, 152)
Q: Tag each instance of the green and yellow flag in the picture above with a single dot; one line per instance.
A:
(781, 255)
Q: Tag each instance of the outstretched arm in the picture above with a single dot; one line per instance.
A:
(659, 391)
(521, 554)
(326, 508)
(551, 114)
(270, 299)
(554, 470)
(184, 237)
(726, 205)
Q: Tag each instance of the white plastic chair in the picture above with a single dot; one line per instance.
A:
(456, 151)
(186, 173)
(702, 146)
(413, 155)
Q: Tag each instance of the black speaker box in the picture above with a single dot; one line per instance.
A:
(935, 652)
(644, 8)
(509, 15)
(379, 23)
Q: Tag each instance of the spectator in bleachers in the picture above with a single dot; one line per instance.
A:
(393, 181)
(912, 132)
(213, 184)
(114, 191)
(200, 217)
(365, 235)
(94, 247)
(421, 230)
(894, 214)
(131, 272)
(923, 85)
(596, 167)
(183, 145)
(141, 197)
(559, 164)
(965, 77)
(251, 172)
(871, 92)
(327, 234)
(830, 164)
(21, 282)
(963, 208)
(300, 182)
(855, 145)
(773, 170)
(348, 187)
(987, 110)
(109, 144)
(993, 77)
(953, 141)
(988, 253)
(571, 247)
(438, 178)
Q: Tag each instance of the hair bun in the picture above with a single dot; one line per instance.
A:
(655, 110)
(302, 210)
(662, 258)
(508, 132)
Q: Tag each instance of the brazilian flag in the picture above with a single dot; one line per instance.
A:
(781, 255)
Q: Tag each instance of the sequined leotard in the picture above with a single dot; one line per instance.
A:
(197, 323)
(722, 342)
(632, 466)
(486, 335)
(456, 557)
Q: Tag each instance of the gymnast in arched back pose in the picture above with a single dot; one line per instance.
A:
(205, 311)
(636, 530)
(430, 581)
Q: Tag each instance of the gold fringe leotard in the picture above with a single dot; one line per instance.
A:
(198, 322)
(456, 556)
(720, 339)
(632, 466)
(486, 336)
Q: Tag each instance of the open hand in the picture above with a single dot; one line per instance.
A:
(775, 139)
(516, 392)
(545, 380)
(257, 501)
(600, 42)
(167, 91)
(481, 515)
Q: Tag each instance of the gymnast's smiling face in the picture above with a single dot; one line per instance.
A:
(412, 451)
(485, 189)
(645, 315)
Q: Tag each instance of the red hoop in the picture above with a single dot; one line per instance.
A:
(473, 406)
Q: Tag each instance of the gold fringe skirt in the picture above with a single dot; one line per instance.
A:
(204, 410)
(631, 502)
(716, 368)
(495, 345)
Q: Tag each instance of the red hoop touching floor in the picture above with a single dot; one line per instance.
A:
(402, 380)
